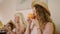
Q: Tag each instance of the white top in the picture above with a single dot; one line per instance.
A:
(48, 29)
(34, 31)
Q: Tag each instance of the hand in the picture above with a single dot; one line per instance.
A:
(35, 21)
(29, 22)
(7, 27)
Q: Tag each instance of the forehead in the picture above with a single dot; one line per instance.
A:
(17, 16)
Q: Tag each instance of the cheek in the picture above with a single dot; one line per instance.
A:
(34, 11)
(35, 14)
(17, 18)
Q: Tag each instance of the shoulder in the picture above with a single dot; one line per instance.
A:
(49, 28)
(49, 25)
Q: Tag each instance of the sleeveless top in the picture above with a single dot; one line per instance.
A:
(48, 29)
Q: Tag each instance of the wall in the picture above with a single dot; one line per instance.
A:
(8, 8)
(54, 6)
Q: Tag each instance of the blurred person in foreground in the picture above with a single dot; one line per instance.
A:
(42, 22)
(18, 26)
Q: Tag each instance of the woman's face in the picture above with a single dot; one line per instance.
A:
(17, 19)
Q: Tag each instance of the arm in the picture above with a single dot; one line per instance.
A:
(10, 32)
(20, 29)
(28, 30)
(48, 29)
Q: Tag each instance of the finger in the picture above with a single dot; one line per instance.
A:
(29, 20)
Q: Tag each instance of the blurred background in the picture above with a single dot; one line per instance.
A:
(9, 7)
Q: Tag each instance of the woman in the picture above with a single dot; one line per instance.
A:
(19, 24)
(9, 27)
(43, 23)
